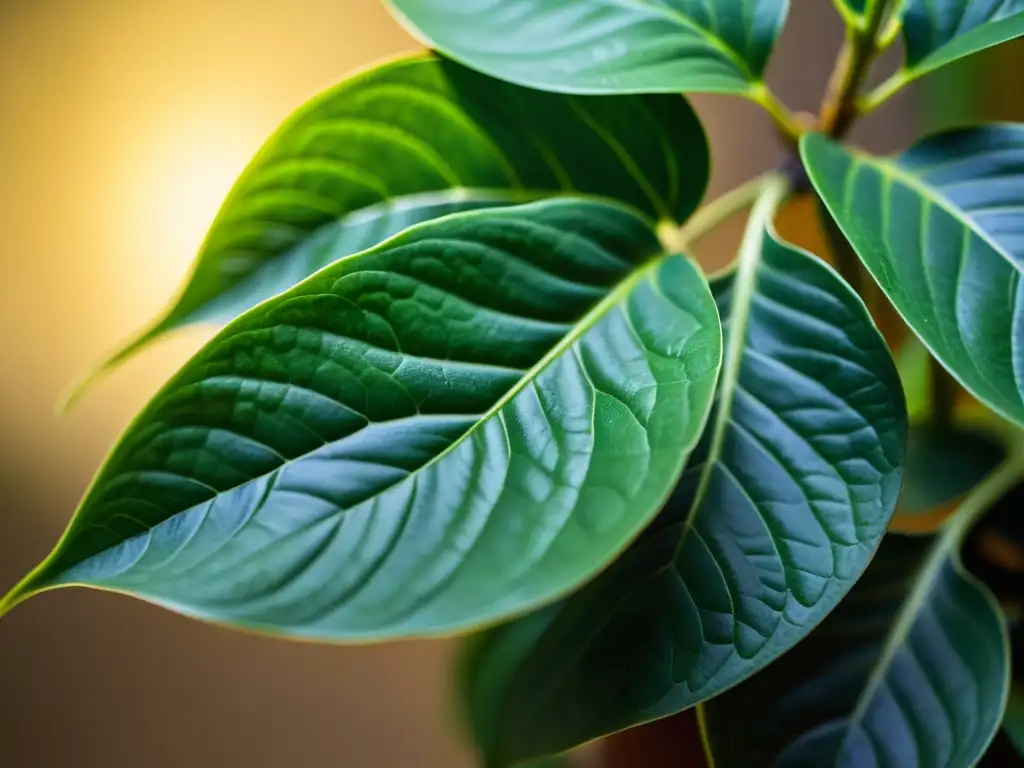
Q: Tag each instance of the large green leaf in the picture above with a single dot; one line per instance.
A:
(911, 669)
(605, 46)
(414, 140)
(937, 32)
(777, 515)
(941, 230)
(452, 427)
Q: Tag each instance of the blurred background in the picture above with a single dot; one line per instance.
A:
(124, 122)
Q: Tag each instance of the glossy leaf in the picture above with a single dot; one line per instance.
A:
(777, 515)
(940, 229)
(605, 46)
(414, 140)
(912, 668)
(453, 427)
(938, 32)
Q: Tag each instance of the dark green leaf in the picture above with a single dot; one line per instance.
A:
(941, 230)
(455, 426)
(944, 465)
(484, 668)
(605, 46)
(778, 513)
(910, 670)
(937, 32)
(418, 139)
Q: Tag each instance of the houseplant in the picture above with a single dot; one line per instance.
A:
(468, 382)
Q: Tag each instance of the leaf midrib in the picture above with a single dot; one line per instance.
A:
(773, 191)
(678, 17)
(891, 168)
(944, 548)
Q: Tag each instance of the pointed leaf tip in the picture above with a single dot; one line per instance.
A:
(390, 449)
(413, 140)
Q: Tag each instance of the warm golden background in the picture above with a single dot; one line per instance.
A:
(122, 125)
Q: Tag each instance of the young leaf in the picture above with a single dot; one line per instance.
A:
(456, 426)
(912, 668)
(940, 229)
(779, 512)
(605, 46)
(937, 32)
(417, 139)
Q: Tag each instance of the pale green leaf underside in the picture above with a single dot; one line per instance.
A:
(941, 229)
(453, 427)
(605, 46)
(938, 32)
(417, 139)
(795, 502)
(910, 670)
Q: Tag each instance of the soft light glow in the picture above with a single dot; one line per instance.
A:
(172, 193)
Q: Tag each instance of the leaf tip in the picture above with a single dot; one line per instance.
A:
(83, 383)
(16, 595)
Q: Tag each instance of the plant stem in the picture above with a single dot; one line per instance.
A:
(849, 17)
(788, 124)
(891, 30)
(717, 211)
(839, 108)
(885, 91)
(943, 391)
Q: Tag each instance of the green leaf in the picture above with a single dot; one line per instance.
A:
(456, 426)
(912, 361)
(940, 229)
(484, 667)
(912, 668)
(938, 32)
(417, 139)
(944, 465)
(605, 46)
(777, 515)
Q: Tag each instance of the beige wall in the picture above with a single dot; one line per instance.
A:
(122, 123)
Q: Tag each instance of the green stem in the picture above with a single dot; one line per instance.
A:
(717, 211)
(885, 91)
(891, 30)
(850, 18)
(788, 124)
(839, 108)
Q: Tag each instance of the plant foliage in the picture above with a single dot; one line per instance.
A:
(471, 380)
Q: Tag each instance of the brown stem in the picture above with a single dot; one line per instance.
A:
(839, 107)
(842, 252)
